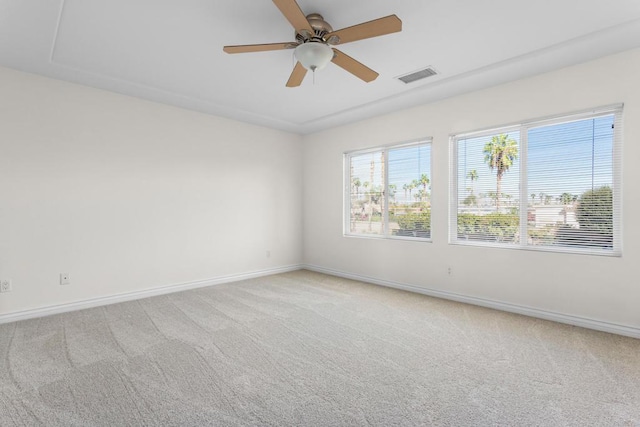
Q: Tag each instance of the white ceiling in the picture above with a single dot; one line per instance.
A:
(170, 51)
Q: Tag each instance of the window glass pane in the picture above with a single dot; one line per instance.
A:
(366, 201)
(488, 181)
(410, 191)
(568, 170)
(570, 182)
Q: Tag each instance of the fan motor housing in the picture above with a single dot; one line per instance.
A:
(320, 27)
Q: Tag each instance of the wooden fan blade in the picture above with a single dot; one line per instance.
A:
(297, 75)
(294, 15)
(258, 47)
(377, 27)
(359, 70)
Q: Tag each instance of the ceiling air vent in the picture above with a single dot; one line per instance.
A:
(417, 75)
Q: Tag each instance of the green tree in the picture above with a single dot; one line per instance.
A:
(417, 224)
(424, 181)
(357, 184)
(470, 200)
(415, 183)
(392, 191)
(566, 198)
(421, 197)
(411, 187)
(498, 227)
(367, 194)
(473, 176)
(595, 211)
(500, 153)
(533, 198)
(372, 171)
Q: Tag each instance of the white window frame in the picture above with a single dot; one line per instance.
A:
(346, 226)
(523, 128)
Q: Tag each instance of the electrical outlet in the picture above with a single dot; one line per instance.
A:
(65, 279)
(5, 285)
(450, 271)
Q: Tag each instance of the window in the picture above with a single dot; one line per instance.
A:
(388, 192)
(550, 185)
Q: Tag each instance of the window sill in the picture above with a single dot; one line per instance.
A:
(378, 237)
(515, 246)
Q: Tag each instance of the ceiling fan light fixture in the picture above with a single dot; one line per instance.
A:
(314, 38)
(314, 55)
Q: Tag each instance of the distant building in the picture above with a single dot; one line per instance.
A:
(546, 215)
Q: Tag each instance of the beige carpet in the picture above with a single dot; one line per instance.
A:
(309, 349)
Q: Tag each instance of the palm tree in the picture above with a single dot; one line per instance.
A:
(415, 184)
(381, 198)
(357, 184)
(473, 176)
(392, 195)
(566, 198)
(533, 198)
(410, 187)
(373, 168)
(500, 154)
(405, 187)
(424, 181)
(367, 193)
(392, 191)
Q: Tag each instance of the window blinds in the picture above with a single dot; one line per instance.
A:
(366, 193)
(410, 191)
(489, 187)
(552, 184)
(389, 191)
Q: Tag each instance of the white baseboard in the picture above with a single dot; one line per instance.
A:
(498, 305)
(597, 325)
(129, 296)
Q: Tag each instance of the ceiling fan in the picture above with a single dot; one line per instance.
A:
(314, 39)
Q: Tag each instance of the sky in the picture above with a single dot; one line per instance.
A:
(405, 165)
(568, 157)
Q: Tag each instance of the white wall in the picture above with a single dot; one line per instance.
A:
(127, 195)
(599, 288)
